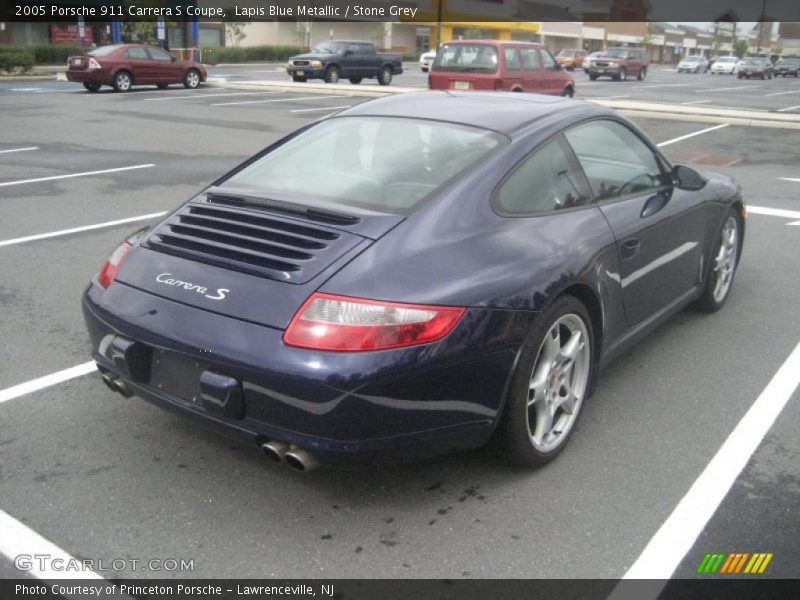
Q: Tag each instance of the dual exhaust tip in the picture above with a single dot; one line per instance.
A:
(115, 384)
(290, 455)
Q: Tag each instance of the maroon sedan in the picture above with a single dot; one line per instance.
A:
(124, 65)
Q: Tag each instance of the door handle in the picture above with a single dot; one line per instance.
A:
(630, 247)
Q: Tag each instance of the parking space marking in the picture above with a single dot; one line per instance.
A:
(84, 174)
(194, 96)
(689, 135)
(28, 149)
(782, 93)
(680, 531)
(52, 234)
(302, 110)
(278, 100)
(610, 97)
(774, 212)
(789, 179)
(722, 89)
(788, 108)
(695, 102)
(40, 383)
(19, 539)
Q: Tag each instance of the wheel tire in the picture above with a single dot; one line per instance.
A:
(355, 80)
(525, 417)
(722, 264)
(623, 75)
(332, 74)
(91, 87)
(385, 76)
(298, 79)
(122, 81)
(642, 74)
(568, 92)
(192, 79)
(592, 77)
(162, 86)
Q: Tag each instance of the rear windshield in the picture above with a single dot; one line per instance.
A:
(103, 51)
(466, 58)
(380, 163)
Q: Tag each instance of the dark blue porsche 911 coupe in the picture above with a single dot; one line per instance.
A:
(415, 275)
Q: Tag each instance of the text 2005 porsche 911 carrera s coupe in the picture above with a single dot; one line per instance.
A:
(415, 275)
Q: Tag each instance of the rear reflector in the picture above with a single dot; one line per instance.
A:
(342, 323)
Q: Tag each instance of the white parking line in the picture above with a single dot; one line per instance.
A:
(19, 539)
(782, 93)
(773, 212)
(46, 381)
(696, 102)
(680, 531)
(788, 108)
(195, 96)
(28, 149)
(689, 135)
(302, 110)
(610, 97)
(84, 174)
(52, 234)
(789, 179)
(276, 100)
(715, 90)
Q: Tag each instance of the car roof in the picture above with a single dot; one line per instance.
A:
(504, 112)
(494, 43)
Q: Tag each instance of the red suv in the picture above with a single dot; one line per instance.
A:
(495, 65)
(619, 64)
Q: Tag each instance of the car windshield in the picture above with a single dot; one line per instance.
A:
(103, 50)
(464, 58)
(616, 53)
(381, 163)
(693, 59)
(329, 48)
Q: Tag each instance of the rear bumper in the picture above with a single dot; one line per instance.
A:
(413, 402)
(98, 76)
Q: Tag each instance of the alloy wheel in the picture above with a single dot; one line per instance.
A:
(725, 261)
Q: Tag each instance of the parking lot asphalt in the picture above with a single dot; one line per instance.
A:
(104, 477)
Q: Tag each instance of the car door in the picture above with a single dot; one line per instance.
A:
(659, 229)
(551, 73)
(164, 69)
(532, 75)
(511, 74)
(140, 64)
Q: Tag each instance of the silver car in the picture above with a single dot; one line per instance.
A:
(693, 64)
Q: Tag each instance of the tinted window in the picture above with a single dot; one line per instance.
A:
(543, 182)
(136, 53)
(354, 48)
(159, 54)
(473, 58)
(547, 59)
(388, 164)
(103, 50)
(616, 161)
(530, 59)
(512, 59)
(367, 48)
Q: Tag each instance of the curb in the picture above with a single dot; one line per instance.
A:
(27, 78)
(331, 89)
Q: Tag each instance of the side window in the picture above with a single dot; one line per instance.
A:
(512, 59)
(547, 59)
(530, 59)
(136, 53)
(159, 54)
(366, 48)
(544, 181)
(616, 161)
(354, 48)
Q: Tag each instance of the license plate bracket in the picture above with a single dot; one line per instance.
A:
(177, 376)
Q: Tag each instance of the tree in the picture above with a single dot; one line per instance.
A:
(234, 32)
(740, 48)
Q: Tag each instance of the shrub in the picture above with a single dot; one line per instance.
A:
(11, 61)
(215, 56)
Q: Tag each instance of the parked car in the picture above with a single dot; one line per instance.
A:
(787, 66)
(588, 60)
(415, 275)
(496, 65)
(755, 67)
(426, 60)
(124, 65)
(619, 64)
(353, 60)
(693, 64)
(571, 59)
(724, 65)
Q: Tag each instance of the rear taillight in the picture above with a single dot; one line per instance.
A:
(108, 272)
(93, 64)
(328, 322)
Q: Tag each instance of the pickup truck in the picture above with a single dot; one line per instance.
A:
(353, 60)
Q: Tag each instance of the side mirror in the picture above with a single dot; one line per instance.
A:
(173, 58)
(686, 178)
